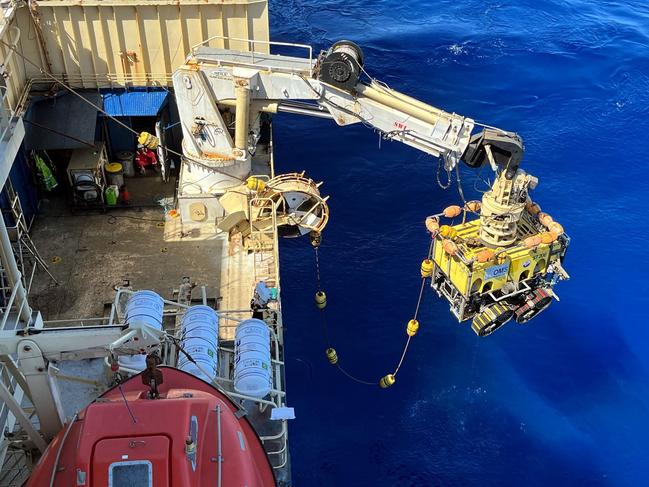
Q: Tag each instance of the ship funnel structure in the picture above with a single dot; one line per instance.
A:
(290, 202)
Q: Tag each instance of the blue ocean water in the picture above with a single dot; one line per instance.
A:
(561, 401)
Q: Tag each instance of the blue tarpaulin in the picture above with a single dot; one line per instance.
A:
(134, 103)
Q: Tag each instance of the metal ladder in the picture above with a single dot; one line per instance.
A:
(23, 242)
(264, 244)
(16, 411)
(264, 241)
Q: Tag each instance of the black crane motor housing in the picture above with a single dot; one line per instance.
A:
(341, 65)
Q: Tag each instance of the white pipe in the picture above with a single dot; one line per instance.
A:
(13, 274)
(13, 44)
(242, 113)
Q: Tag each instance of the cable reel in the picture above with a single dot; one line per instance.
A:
(341, 65)
(300, 208)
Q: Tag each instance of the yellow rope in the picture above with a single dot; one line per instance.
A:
(325, 327)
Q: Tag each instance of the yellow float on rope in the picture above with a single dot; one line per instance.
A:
(412, 328)
(315, 237)
(426, 268)
(387, 381)
(332, 356)
(255, 184)
(148, 140)
(320, 300)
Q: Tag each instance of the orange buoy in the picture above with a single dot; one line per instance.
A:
(547, 237)
(452, 211)
(485, 255)
(556, 228)
(432, 224)
(533, 241)
(545, 219)
(449, 247)
(473, 206)
(533, 208)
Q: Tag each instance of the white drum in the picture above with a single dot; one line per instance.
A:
(143, 307)
(252, 365)
(200, 338)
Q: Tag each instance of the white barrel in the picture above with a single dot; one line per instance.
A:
(145, 308)
(200, 338)
(252, 366)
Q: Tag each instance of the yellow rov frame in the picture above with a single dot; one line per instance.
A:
(491, 285)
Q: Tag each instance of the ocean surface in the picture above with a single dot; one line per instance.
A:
(563, 400)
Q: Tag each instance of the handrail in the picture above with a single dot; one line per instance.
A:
(72, 320)
(251, 46)
(10, 303)
(253, 42)
(219, 457)
(10, 114)
(277, 394)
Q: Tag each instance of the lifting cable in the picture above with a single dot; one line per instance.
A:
(411, 328)
(145, 135)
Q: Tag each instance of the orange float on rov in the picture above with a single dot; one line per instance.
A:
(547, 237)
(485, 255)
(449, 247)
(533, 208)
(545, 219)
(473, 206)
(452, 211)
(533, 241)
(432, 224)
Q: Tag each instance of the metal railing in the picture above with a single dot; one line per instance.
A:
(251, 43)
(7, 418)
(7, 116)
(276, 443)
(276, 395)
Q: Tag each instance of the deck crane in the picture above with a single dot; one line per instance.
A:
(490, 269)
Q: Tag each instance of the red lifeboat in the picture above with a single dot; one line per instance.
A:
(190, 435)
